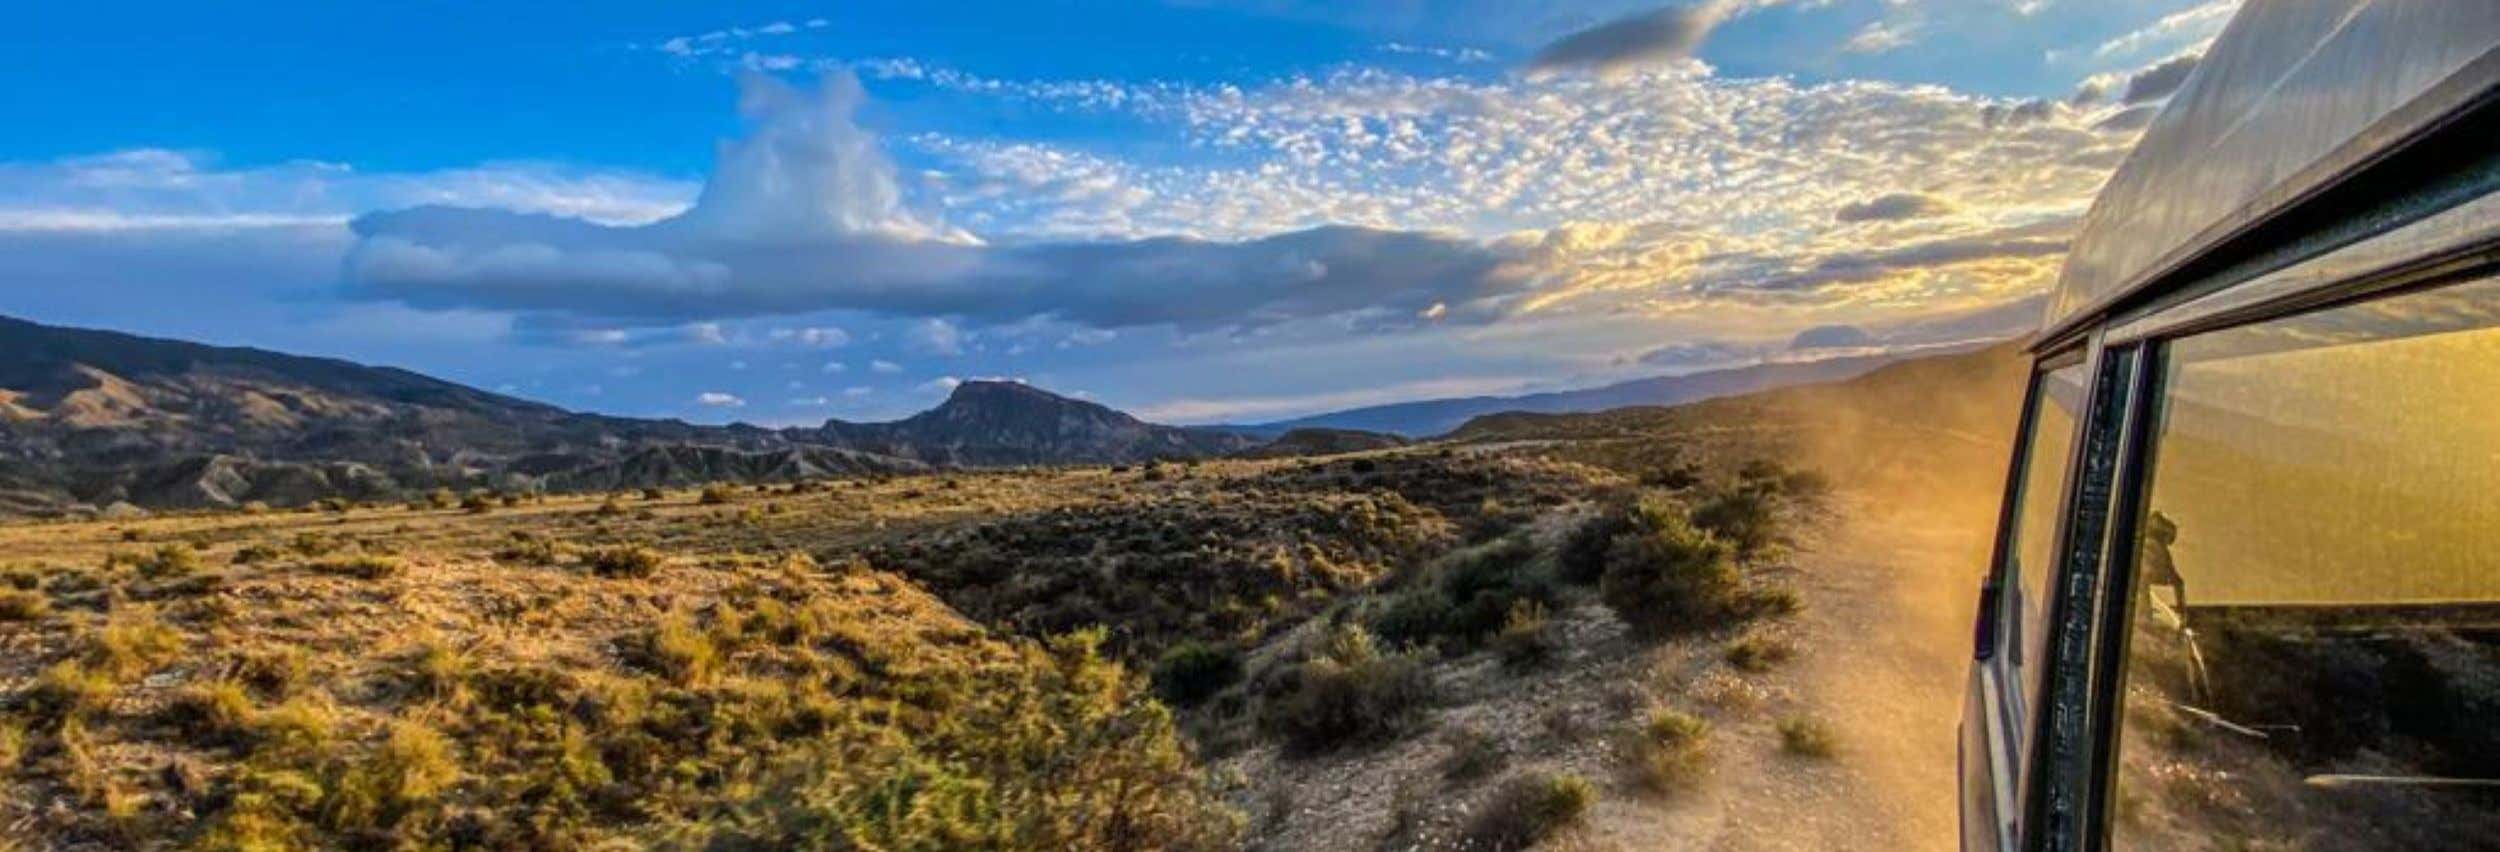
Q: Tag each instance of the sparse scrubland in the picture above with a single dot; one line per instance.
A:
(1497, 644)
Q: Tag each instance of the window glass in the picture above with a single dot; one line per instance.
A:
(2032, 545)
(2312, 660)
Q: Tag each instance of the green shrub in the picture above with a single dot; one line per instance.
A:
(1806, 736)
(1759, 653)
(1666, 751)
(21, 605)
(1581, 558)
(1466, 596)
(1664, 575)
(1192, 670)
(1350, 693)
(716, 493)
(1066, 752)
(478, 503)
(1528, 809)
(624, 561)
(1746, 517)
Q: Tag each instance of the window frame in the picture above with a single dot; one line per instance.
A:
(2014, 712)
(2106, 664)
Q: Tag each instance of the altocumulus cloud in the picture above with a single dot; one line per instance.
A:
(806, 214)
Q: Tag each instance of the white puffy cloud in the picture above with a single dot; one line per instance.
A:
(806, 213)
(717, 399)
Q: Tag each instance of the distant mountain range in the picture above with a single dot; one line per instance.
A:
(89, 419)
(1434, 417)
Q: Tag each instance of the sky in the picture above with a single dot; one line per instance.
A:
(1199, 211)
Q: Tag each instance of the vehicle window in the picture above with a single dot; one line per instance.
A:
(2314, 658)
(2032, 543)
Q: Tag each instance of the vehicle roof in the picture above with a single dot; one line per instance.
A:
(2292, 96)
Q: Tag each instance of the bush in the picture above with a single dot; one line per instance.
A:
(1192, 670)
(1746, 517)
(609, 508)
(1666, 751)
(441, 498)
(132, 643)
(677, 649)
(216, 712)
(169, 561)
(1065, 752)
(1466, 596)
(1525, 638)
(477, 503)
(412, 770)
(1806, 736)
(256, 553)
(68, 688)
(1350, 693)
(1528, 809)
(1758, 653)
(716, 493)
(654, 494)
(362, 566)
(1663, 575)
(624, 561)
(22, 605)
(1581, 558)
(276, 672)
(1473, 754)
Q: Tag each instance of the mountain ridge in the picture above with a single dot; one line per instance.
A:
(1429, 418)
(91, 418)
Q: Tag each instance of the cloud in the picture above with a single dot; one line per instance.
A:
(2159, 80)
(1880, 37)
(2192, 26)
(717, 399)
(936, 336)
(806, 214)
(816, 337)
(881, 365)
(1786, 277)
(1831, 337)
(1698, 354)
(1893, 207)
(1625, 46)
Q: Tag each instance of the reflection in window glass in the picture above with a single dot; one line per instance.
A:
(2033, 542)
(2315, 656)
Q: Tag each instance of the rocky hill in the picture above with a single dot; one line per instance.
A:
(997, 423)
(90, 419)
(1315, 441)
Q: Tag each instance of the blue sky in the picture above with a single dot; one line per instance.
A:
(1202, 211)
